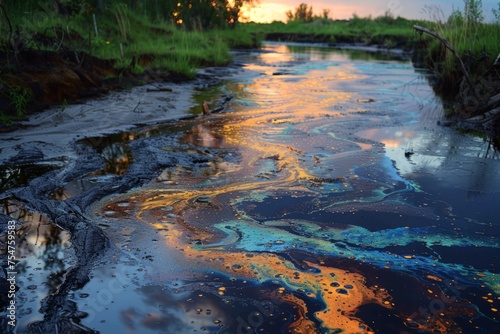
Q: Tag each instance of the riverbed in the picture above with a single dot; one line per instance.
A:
(322, 197)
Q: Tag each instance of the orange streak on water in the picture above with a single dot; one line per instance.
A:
(258, 135)
(262, 267)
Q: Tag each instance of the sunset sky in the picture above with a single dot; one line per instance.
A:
(271, 10)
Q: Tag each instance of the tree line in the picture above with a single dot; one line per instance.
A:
(472, 12)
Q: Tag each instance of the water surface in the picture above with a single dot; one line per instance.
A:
(323, 199)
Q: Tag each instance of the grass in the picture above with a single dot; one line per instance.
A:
(125, 35)
(131, 41)
(170, 48)
(478, 45)
(19, 97)
(384, 31)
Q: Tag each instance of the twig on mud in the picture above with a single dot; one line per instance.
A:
(136, 106)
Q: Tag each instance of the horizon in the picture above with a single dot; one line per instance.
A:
(267, 11)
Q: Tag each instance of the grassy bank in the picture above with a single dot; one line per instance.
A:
(118, 40)
(123, 35)
(478, 45)
(385, 31)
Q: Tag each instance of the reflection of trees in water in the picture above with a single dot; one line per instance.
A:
(114, 150)
(45, 244)
(17, 211)
(37, 241)
(483, 171)
(117, 157)
(72, 189)
(351, 54)
(15, 176)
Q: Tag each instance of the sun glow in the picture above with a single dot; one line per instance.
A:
(267, 12)
(264, 12)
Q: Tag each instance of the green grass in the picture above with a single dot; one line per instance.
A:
(384, 31)
(131, 41)
(477, 44)
(19, 97)
(467, 39)
(168, 47)
(125, 35)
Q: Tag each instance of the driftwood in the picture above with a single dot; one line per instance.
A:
(449, 47)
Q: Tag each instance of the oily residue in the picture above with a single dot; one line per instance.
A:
(297, 209)
(301, 172)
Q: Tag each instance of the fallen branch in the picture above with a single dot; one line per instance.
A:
(449, 47)
(223, 104)
(136, 106)
(159, 89)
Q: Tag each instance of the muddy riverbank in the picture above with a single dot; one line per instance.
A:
(34, 81)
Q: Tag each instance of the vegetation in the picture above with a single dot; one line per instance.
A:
(122, 32)
(476, 42)
(133, 36)
(385, 31)
(304, 13)
(496, 13)
(473, 11)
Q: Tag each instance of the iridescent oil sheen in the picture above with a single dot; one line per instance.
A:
(316, 209)
(318, 222)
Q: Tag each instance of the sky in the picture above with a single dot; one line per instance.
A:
(274, 10)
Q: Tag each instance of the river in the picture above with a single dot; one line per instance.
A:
(324, 197)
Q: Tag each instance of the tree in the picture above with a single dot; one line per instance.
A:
(456, 18)
(496, 13)
(473, 11)
(303, 13)
(189, 14)
(194, 14)
(326, 13)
